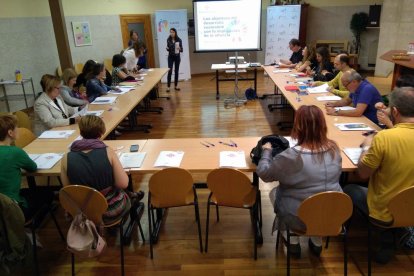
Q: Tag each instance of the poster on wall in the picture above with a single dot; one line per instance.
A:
(82, 33)
(165, 20)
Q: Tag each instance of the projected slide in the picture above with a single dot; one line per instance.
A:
(227, 25)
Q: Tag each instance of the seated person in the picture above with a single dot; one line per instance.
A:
(81, 79)
(363, 96)
(309, 61)
(67, 90)
(95, 86)
(294, 46)
(132, 55)
(49, 108)
(310, 167)
(91, 163)
(13, 160)
(387, 161)
(341, 63)
(323, 69)
(119, 72)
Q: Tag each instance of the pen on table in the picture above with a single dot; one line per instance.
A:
(211, 144)
(207, 146)
(227, 144)
(234, 143)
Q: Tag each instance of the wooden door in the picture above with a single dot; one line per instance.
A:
(141, 23)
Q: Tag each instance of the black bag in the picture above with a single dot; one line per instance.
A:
(279, 144)
(250, 94)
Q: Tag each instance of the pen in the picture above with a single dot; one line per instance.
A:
(204, 145)
(211, 144)
(227, 144)
(234, 143)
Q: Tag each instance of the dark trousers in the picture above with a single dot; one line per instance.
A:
(173, 60)
(35, 198)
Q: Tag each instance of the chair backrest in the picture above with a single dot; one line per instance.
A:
(59, 72)
(23, 120)
(108, 65)
(401, 207)
(230, 187)
(94, 210)
(24, 137)
(324, 213)
(171, 187)
(78, 68)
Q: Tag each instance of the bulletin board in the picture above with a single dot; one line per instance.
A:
(82, 33)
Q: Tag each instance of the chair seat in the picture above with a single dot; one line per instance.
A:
(248, 201)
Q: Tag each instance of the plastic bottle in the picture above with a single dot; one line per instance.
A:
(18, 75)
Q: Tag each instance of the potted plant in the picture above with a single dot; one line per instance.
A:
(358, 25)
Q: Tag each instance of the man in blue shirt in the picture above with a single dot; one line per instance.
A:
(363, 96)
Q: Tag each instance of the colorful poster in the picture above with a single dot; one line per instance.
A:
(81, 33)
(177, 19)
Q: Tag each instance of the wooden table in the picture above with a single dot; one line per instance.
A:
(401, 67)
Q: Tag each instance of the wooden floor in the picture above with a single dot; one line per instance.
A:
(194, 112)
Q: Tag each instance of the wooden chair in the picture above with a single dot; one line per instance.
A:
(59, 72)
(23, 120)
(24, 137)
(171, 187)
(108, 65)
(93, 211)
(324, 215)
(401, 208)
(232, 188)
(78, 68)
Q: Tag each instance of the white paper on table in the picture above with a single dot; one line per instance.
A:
(344, 108)
(353, 126)
(304, 79)
(81, 112)
(46, 161)
(292, 142)
(132, 159)
(123, 90)
(104, 100)
(318, 89)
(56, 134)
(328, 98)
(353, 154)
(169, 159)
(126, 86)
(233, 159)
(95, 112)
(282, 71)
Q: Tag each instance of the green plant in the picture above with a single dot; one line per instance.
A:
(358, 25)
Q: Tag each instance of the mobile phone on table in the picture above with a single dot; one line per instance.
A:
(134, 148)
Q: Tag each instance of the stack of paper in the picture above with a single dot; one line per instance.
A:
(282, 71)
(121, 90)
(353, 154)
(56, 134)
(345, 108)
(95, 112)
(169, 159)
(46, 161)
(132, 159)
(353, 126)
(318, 89)
(104, 100)
(328, 98)
(233, 159)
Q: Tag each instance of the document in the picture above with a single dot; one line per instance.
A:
(46, 161)
(282, 71)
(353, 154)
(132, 159)
(318, 89)
(122, 90)
(104, 100)
(56, 134)
(345, 108)
(95, 112)
(169, 159)
(328, 98)
(233, 159)
(353, 126)
(81, 112)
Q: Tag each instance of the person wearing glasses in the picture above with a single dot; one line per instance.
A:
(50, 109)
(363, 97)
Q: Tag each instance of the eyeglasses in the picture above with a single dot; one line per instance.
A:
(346, 85)
(58, 87)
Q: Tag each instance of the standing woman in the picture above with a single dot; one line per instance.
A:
(174, 48)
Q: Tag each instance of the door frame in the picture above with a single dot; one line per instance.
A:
(145, 19)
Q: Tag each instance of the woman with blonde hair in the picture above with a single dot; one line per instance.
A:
(309, 59)
(312, 166)
(67, 90)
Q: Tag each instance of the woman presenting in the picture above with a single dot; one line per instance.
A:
(174, 48)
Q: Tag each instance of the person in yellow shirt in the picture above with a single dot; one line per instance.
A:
(388, 162)
(341, 63)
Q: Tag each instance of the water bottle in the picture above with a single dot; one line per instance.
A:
(18, 75)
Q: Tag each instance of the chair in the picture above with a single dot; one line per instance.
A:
(78, 68)
(23, 120)
(401, 208)
(108, 65)
(59, 72)
(94, 210)
(171, 187)
(24, 138)
(324, 215)
(232, 188)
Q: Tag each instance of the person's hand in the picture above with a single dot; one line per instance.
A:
(313, 84)
(324, 72)
(330, 89)
(330, 104)
(380, 106)
(384, 118)
(368, 140)
(330, 110)
(268, 145)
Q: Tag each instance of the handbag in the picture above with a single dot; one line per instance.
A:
(83, 239)
(279, 144)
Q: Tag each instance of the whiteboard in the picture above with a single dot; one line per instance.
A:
(283, 23)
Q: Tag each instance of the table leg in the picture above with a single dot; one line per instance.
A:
(24, 94)
(5, 97)
(217, 85)
(255, 80)
(258, 235)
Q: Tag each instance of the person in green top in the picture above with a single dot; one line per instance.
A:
(12, 160)
(341, 63)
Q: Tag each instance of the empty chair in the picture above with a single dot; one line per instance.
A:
(232, 188)
(324, 215)
(23, 120)
(24, 138)
(171, 187)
